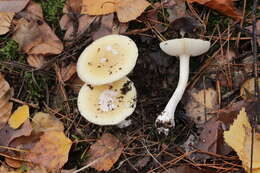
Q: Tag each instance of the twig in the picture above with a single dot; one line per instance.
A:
(24, 103)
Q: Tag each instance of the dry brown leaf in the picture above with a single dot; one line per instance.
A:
(239, 138)
(5, 169)
(176, 9)
(36, 61)
(68, 71)
(5, 105)
(84, 23)
(197, 105)
(223, 6)
(247, 89)
(105, 28)
(105, 152)
(98, 7)
(34, 36)
(5, 21)
(12, 5)
(7, 134)
(128, 10)
(43, 122)
(76, 83)
(51, 151)
(13, 163)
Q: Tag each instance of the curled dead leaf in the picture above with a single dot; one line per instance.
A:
(36, 61)
(5, 21)
(8, 134)
(5, 105)
(105, 152)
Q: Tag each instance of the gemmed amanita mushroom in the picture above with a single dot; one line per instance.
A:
(107, 59)
(108, 104)
(184, 48)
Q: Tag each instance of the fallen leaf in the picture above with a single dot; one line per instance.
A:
(5, 21)
(51, 151)
(7, 134)
(211, 140)
(176, 9)
(84, 22)
(43, 122)
(75, 83)
(13, 163)
(19, 116)
(13, 5)
(126, 10)
(197, 105)
(5, 105)
(36, 61)
(106, 25)
(68, 71)
(98, 7)
(247, 89)
(239, 138)
(223, 6)
(34, 35)
(105, 152)
(5, 169)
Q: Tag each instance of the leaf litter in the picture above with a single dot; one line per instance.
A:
(31, 140)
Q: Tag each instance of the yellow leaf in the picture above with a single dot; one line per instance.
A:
(239, 138)
(19, 116)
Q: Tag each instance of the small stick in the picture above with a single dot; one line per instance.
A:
(24, 103)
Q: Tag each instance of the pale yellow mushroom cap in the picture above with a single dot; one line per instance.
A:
(107, 59)
(107, 104)
(185, 46)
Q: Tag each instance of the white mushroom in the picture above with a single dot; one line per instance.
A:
(108, 104)
(184, 48)
(107, 59)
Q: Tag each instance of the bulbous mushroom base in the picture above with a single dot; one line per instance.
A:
(164, 122)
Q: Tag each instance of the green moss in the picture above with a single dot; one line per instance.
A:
(34, 86)
(52, 10)
(11, 51)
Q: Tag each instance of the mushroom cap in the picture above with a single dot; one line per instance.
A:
(107, 104)
(107, 59)
(185, 46)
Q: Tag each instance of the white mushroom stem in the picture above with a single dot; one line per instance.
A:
(167, 116)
